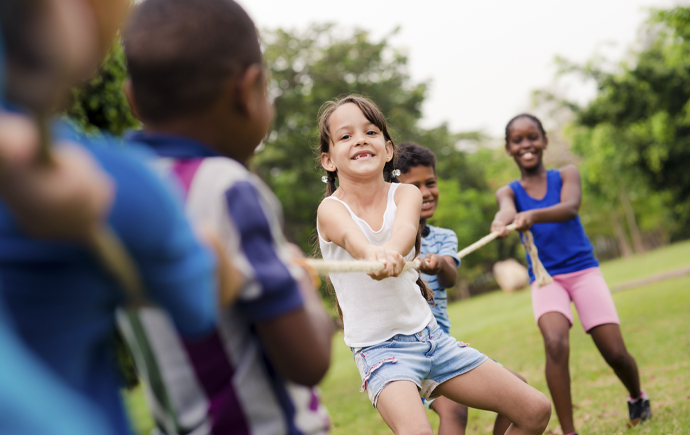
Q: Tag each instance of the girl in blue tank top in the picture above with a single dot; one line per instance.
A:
(547, 202)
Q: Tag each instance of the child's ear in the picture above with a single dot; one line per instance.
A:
(327, 163)
(131, 98)
(389, 151)
(251, 92)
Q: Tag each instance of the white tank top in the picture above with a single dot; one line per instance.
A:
(374, 311)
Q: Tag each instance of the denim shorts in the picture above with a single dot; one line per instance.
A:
(427, 358)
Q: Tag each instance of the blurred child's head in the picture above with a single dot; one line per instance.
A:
(359, 142)
(196, 69)
(52, 45)
(526, 141)
(417, 166)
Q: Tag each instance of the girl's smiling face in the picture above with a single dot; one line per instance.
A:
(526, 143)
(358, 147)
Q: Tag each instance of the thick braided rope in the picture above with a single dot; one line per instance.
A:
(541, 276)
(324, 267)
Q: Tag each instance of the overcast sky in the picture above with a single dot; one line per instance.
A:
(483, 58)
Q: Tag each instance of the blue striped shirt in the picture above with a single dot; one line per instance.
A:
(440, 241)
(224, 384)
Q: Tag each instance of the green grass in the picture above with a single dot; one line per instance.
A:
(655, 324)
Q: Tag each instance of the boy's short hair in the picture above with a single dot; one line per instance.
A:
(412, 154)
(180, 53)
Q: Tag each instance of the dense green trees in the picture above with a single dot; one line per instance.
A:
(635, 134)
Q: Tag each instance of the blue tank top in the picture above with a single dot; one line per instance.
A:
(563, 246)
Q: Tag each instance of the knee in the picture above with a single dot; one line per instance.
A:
(458, 414)
(540, 414)
(557, 348)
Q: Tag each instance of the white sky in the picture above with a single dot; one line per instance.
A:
(483, 57)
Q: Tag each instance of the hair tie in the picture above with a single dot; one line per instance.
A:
(395, 173)
(324, 178)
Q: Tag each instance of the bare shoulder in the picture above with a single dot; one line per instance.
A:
(329, 208)
(330, 216)
(505, 192)
(570, 173)
(407, 192)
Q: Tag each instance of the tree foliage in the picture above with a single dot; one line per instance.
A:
(100, 104)
(636, 132)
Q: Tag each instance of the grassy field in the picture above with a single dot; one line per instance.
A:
(655, 323)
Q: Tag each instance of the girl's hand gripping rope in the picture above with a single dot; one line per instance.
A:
(393, 262)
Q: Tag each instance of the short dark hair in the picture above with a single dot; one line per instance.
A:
(180, 53)
(412, 155)
(528, 116)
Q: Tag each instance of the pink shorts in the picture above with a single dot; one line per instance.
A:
(586, 288)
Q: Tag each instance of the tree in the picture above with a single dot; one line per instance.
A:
(101, 104)
(641, 116)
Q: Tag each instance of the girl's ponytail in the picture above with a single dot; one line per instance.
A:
(330, 183)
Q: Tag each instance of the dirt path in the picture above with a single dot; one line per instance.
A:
(651, 279)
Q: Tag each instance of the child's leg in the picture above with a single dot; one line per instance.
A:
(610, 343)
(599, 318)
(489, 386)
(452, 416)
(555, 328)
(401, 409)
(502, 423)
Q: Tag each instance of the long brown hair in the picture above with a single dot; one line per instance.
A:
(374, 115)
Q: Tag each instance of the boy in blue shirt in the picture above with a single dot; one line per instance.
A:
(439, 250)
(59, 297)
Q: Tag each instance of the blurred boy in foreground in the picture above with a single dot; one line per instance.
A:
(199, 88)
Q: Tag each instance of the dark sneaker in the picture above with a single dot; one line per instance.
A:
(639, 409)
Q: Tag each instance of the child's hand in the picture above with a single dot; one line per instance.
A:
(431, 264)
(500, 227)
(524, 220)
(64, 200)
(393, 262)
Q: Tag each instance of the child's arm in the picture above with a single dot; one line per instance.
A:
(444, 267)
(506, 210)
(567, 209)
(336, 225)
(408, 199)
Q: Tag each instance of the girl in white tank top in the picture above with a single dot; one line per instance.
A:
(399, 349)
(374, 311)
